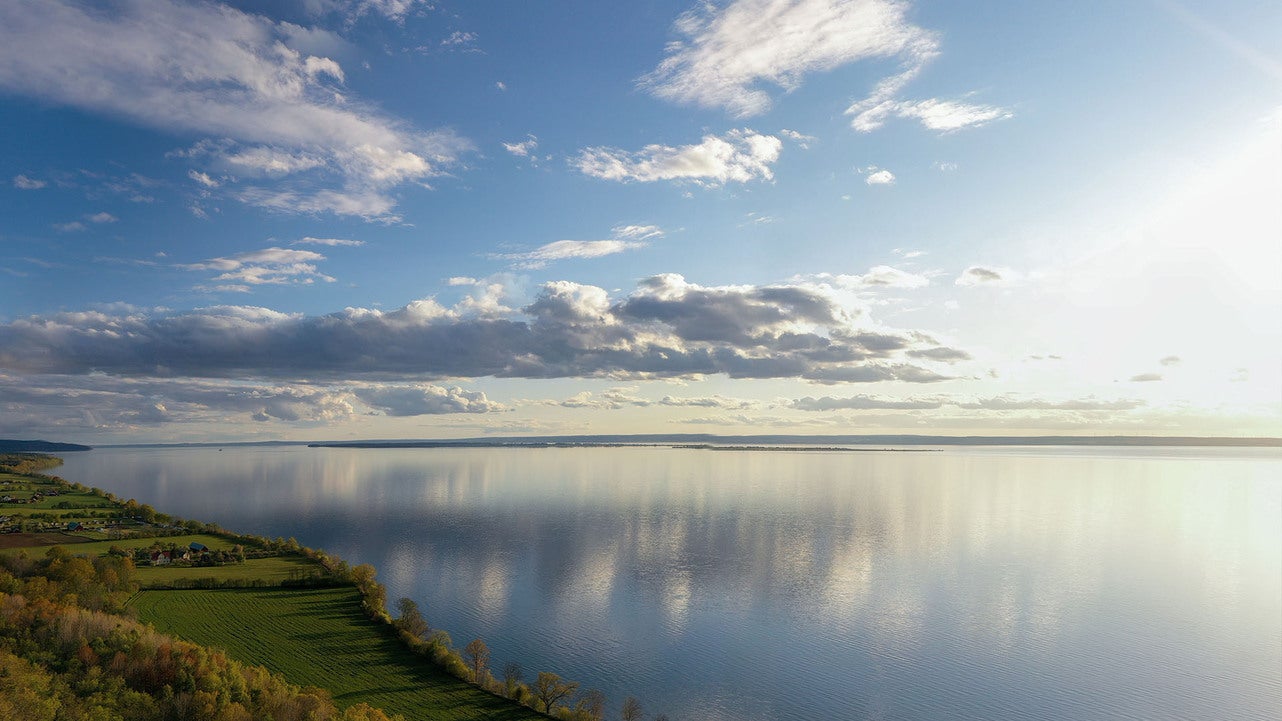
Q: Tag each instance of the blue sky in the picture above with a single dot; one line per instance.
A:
(391, 218)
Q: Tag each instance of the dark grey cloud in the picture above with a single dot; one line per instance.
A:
(666, 328)
(940, 353)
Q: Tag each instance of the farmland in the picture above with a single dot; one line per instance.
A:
(320, 637)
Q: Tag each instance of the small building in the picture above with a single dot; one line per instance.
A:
(197, 547)
(161, 558)
(75, 526)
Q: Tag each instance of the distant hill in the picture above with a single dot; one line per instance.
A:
(9, 445)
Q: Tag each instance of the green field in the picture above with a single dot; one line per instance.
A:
(97, 548)
(319, 637)
(272, 570)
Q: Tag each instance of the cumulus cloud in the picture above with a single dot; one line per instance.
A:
(424, 399)
(22, 182)
(100, 401)
(269, 266)
(667, 327)
(738, 156)
(802, 140)
(879, 176)
(212, 69)
(626, 237)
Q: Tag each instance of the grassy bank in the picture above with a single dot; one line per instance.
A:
(321, 637)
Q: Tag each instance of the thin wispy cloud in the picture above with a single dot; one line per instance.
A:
(731, 56)
(625, 238)
(22, 182)
(211, 69)
(331, 242)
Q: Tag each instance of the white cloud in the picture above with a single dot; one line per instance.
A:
(881, 276)
(103, 217)
(212, 69)
(524, 148)
(269, 266)
(802, 141)
(202, 178)
(22, 182)
(948, 115)
(331, 242)
(72, 227)
(945, 166)
(1146, 377)
(394, 10)
(738, 156)
(729, 52)
(458, 38)
(625, 237)
(879, 177)
(1171, 360)
(502, 86)
(461, 280)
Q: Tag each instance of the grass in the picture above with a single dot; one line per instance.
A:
(320, 637)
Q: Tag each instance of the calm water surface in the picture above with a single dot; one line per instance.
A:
(752, 585)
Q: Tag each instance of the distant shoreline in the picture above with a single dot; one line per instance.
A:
(799, 442)
(706, 441)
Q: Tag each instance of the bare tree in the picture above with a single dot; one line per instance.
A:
(631, 709)
(661, 717)
(551, 689)
(478, 655)
(592, 705)
(513, 675)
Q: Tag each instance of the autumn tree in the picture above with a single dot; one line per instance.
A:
(478, 657)
(631, 709)
(551, 689)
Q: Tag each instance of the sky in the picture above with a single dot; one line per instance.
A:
(358, 219)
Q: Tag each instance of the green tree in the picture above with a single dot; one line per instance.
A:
(550, 689)
(632, 710)
(411, 619)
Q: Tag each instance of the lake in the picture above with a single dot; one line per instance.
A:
(963, 583)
